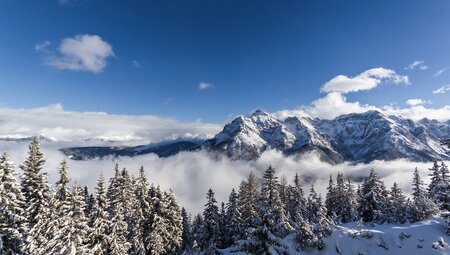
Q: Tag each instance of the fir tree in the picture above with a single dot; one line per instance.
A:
(233, 220)
(188, 240)
(312, 205)
(174, 223)
(59, 207)
(141, 212)
(159, 232)
(211, 221)
(397, 205)
(304, 236)
(297, 202)
(100, 220)
(331, 202)
(249, 192)
(197, 231)
(372, 205)
(12, 216)
(35, 190)
(421, 207)
(70, 238)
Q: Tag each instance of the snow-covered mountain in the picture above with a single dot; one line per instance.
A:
(356, 137)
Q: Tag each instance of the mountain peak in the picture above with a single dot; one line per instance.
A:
(259, 112)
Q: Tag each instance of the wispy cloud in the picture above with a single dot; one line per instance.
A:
(136, 64)
(364, 81)
(205, 85)
(42, 47)
(442, 89)
(80, 53)
(417, 64)
(417, 101)
(439, 72)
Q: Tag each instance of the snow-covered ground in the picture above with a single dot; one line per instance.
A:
(424, 237)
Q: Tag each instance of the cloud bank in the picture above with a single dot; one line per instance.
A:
(58, 124)
(191, 174)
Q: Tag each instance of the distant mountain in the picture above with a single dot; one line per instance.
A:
(24, 139)
(356, 137)
(162, 150)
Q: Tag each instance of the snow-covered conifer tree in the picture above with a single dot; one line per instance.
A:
(248, 195)
(233, 220)
(211, 219)
(12, 215)
(35, 190)
(72, 234)
(188, 240)
(421, 207)
(397, 205)
(100, 220)
(372, 205)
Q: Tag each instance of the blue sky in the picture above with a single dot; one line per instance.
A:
(251, 54)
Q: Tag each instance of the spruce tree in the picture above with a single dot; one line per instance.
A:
(397, 205)
(71, 236)
(35, 190)
(249, 192)
(197, 231)
(158, 228)
(141, 212)
(12, 215)
(372, 205)
(297, 202)
(304, 236)
(421, 207)
(331, 202)
(118, 234)
(100, 220)
(174, 223)
(312, 205)
(274, 224)
(188, 240)
(233, 220)
(59, 206)
(211, 221)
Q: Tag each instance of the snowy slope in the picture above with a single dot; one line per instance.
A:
(426, 237)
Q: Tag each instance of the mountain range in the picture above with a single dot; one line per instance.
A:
(356, 137)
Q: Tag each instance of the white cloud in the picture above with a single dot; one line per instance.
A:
(205, 85)
(417, 63)
(416, 102)
(364, 81)
(442, 89)
(439, 72)
(81, 53)
(42, 47)
(58, 124)
(191, 174)
(335, 103)
(136, 64)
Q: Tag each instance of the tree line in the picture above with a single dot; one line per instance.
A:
(128, 215)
